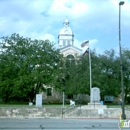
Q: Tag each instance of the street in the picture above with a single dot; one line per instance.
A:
(57, 124)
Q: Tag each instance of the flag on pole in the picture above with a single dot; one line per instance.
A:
(86, 43)
(87, 51)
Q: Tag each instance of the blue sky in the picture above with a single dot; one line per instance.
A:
(94, 20)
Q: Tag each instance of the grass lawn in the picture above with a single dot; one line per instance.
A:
(26, 105)
(54, 105)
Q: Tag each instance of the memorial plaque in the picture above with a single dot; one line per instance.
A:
(38, 100)
(95, 94)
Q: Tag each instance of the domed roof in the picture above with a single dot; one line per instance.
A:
(66, 21)
(66, 29)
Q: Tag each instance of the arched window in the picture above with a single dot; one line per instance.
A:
(70, 56)
(70, 60)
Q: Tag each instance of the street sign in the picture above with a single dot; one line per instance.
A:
(108, 98)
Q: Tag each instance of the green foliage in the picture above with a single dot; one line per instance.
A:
(109, 74)
(126, 72)
(25, 66)
(105, 73)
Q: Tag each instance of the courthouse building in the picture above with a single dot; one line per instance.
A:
(69, 50)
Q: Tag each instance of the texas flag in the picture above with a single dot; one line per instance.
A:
(86, 43)
(87, 51)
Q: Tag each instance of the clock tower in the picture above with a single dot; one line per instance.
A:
(66, 36)
(66, 41)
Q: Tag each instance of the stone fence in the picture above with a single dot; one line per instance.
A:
(56, 112)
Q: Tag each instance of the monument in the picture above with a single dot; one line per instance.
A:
(38, 100)
(95, 95)
(95, 99)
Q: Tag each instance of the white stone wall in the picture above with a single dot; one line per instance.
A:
(48, 112)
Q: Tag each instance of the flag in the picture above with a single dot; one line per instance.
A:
(86, 43)
(87, 51)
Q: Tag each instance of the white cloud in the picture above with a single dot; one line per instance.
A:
(16, 18)
(70, 8)
(92, 42)
(49, 37)
(96, 20)
(40, 36)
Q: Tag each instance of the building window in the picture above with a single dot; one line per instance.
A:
(70, 57)
(49, 91)
(70, 60)
(70, 96)
(64, 42)
(68, 42)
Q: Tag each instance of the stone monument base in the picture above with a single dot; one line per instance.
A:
(94, 106)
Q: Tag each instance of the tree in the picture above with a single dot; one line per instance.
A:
(25, 66)
(76, 75)
(105, 74)
(109, 75)
(126, 72)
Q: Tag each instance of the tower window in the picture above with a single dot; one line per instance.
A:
(68, 42)
(63, 42)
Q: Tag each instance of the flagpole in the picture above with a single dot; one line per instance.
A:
(89, 51)
(90, 72)
(90, 69)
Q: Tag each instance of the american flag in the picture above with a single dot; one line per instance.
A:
(86, 43)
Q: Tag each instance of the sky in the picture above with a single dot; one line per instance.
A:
(93, 20)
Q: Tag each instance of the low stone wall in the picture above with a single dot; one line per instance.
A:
(95, 113)
(55, 112)
(30, 112)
